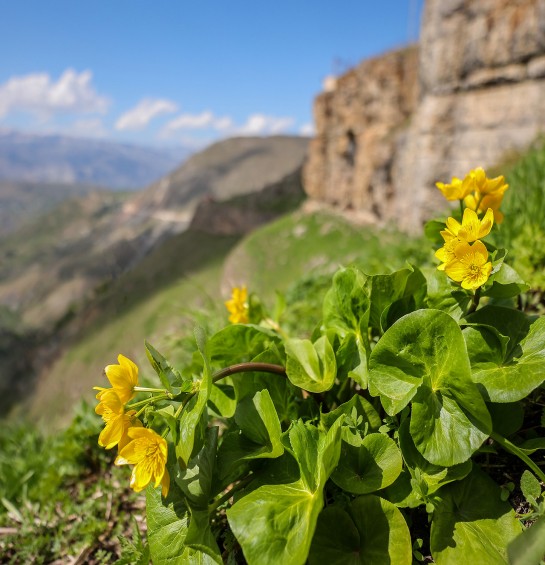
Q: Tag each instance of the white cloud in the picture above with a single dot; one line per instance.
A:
(261, 124)
(39, 94)
(204, 120)
(307, 129)
(256, 124)
(140, 116)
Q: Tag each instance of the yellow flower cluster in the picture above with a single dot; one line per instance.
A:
(464, 257)
(478, 192)
(137, 446)
(238, 306)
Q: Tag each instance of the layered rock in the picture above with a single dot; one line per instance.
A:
(481, 69)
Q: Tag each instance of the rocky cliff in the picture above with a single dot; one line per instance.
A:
(472, 91)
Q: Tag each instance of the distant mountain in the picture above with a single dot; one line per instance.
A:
(70, 160)
(23, 201)
(49, 266)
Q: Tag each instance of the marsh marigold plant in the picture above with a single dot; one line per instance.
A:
(271, 448)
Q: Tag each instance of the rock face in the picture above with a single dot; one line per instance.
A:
(479, 94)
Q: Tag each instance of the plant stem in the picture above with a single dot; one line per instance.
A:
(240, 485)
(461, 208)
(147, 389)
(512, 448)
(474, 301)
(147, 400)
(248, 368)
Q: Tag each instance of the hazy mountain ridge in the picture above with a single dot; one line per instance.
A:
(54, 263)
(69, 160)
(22, 201)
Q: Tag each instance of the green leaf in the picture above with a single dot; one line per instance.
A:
(435, 476)
(445, 296)
(346, 304)
(532, 445)
(222, 399)
(370, 530)
(194, 410)
(259, 437)
(521, 370)
(471, 524)
(506, 418)
(529, 547)
(168, 523)
(351, 357)
(364, 410)
(530, 486)
(432, 231)
(422, 358)
(394, 292)
(196, 480)
(367, 464)
(240, 343)
(171, 378)
(201, 540)
(275, 523)
(505, 283)
(311, 366)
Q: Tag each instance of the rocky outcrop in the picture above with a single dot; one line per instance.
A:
(242, 214)
(357, 126)
(481, 86)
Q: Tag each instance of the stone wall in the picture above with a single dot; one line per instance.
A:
(480, 93)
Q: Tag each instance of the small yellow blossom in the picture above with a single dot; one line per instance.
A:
(485, 193)
(238, 306)
(457, 190)
(123, 378)
(470, 266)
(471, 227)
(118, 422)
(147, 451)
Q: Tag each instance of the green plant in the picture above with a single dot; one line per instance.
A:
(380, 437)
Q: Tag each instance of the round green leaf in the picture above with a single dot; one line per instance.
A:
(434, 476)
(371, 530)
(422, 358)
(471, 524)
(373, 464)
(513, 375)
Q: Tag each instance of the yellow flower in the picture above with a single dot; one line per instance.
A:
(485, 193)
(471, 227)
(457, 190)
(238, 306)
(122, 377)
(446, 253)
(470, 266)
(118, 422)
(147, 451)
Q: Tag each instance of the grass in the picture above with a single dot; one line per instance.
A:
(523, 231)
(62, 499)
(299, 246)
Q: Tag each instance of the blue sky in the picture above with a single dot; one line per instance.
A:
(170, 73)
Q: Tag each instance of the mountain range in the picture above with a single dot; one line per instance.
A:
(57, 159)
(61, 270)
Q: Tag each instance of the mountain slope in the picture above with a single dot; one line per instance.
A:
(23, 201)
(48, 267)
